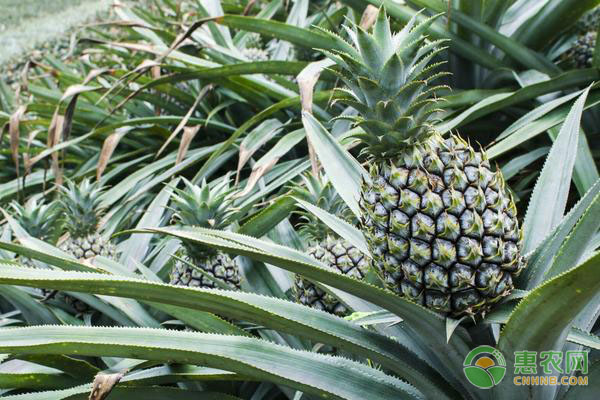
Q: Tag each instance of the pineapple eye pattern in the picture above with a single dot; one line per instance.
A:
(447, 239)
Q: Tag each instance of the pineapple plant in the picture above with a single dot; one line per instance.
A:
(82, 212)
(267, 343)
(254, 48)
(197, 265)
(440, 223)
(581, 53)
(39, 220)
(325, 246)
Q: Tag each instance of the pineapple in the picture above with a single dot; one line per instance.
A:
(326, 246)
(440, 224)
(589, 21)
(39, 220)
(254, 49)
(581, 53)
(82, 212)
(197, 265)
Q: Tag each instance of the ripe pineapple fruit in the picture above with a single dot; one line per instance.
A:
(325, 246)
(82, 212)
(201, 266)
(440, 224)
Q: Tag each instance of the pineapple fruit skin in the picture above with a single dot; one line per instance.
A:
(89, 246)
(219, 266)
(341, 256)
(82, 248)
(441, 227)
(581, 53)
(256, 54)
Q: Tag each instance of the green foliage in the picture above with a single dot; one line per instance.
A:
(81, 208)
(202, 205)
(198, 160)
(39, 219)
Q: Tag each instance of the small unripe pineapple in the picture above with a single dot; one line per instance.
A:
(82, 211)
(581, 53)
(197, 265)
(254, 49)
(39, 220)
(340, 256)
(326, 247)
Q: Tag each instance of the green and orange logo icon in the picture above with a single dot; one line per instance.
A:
(484, 367)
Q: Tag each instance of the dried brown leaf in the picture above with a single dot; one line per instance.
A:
(76, 90)
(104, 384)
(307, 80)
(56, 138)
(188, 135)
(249, 7)
(94, 73)
(14, 132)
(108, 148)
(255, 175)
(369, 17)
(185, 119)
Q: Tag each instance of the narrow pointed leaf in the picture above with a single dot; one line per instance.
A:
(543, 319)
(345, 173)
(549, 199)
(274, 313)
(540, 259)
(334, 377)
(338, 225)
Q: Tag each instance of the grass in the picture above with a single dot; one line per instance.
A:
(15, 11)
(25, 24)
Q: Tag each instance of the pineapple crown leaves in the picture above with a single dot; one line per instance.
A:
(253, 40)
(202, 205)
(320, 192)
(39, 219)
(205, 207)
(388, 78)
(81, 207)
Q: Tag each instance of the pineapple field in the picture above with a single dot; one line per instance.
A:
(303, 199)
